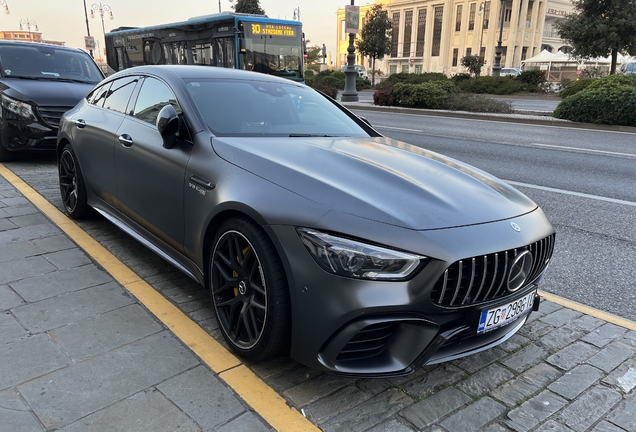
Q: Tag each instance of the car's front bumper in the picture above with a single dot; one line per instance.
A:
(17, 133)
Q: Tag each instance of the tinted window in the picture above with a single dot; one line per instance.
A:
(99, 94)
(119, 94)
(153, 96)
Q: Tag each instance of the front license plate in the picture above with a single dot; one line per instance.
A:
(505, 314)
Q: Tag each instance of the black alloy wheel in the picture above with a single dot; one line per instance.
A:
(72, 185)
(249, 291)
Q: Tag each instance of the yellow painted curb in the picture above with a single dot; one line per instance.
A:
(619, 321)
(262, 398)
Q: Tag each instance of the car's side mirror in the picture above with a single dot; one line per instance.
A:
(364, 119)
(168, 125)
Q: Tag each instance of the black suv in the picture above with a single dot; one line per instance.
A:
(38, 83)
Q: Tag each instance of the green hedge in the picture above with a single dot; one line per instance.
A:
(410, 78)
(608, 100)
(431, 94)
(576, 86)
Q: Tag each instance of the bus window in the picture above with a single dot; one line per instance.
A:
(152, 52)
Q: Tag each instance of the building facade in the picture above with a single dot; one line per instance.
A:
(26, 36)
(433, 35)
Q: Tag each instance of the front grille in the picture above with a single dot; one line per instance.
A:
(478, 279)
(52, 114)
(368, 342)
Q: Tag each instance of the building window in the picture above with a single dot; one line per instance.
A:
(421, 30)
(524, 53)
(418, 69)
(458, 18)
(395, 34)
(486, 21)
(471, 16)
(455, 55)
(408, 31)
(469, 52)
(482, 52)
(405, 68)
(392, 69)
(504, 51)
(437, 30)
(508, 15)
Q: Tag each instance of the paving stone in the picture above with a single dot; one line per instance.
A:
(20, 210)
(526, 384)
(589, 408)
(572, 355)
(587, 323)
(475, 416)
(4, 214)
(18, 251)
(624, 377)
(392, 425)
(10, 329)
(104, 332)
(15, 415)
(67, 395)
(534, 411)
(625, 415)
(292, 377)
(535, 330)
(15, 201)
(30, 220)
(203, 397)
(68, 258)
(136, 414)
(377, 386)
(552, 426)
(561, 317)
(54, 243)
(477, 361)
(37, 288)
(514, 343)
(342, 400)
(604, 426)
(443, 375)
(317, 388)
(246, 422)
(203, 314)
(28, 233)
(496, 427)
(432, 409)
(72, 307)
(611, 356)
(29, 358)
(576, 381)
(485, 380)
(629, 339)
(6, 224)
(561, 337)
(370, 412)
(525, 358)
(604, 334)
(9, 299)
(17, 270)
(547, 307)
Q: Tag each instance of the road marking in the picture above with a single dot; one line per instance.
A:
(579, 149)
(578, 194)
(262, 398)
(398, 129)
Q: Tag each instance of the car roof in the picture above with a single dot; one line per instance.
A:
(38, 44)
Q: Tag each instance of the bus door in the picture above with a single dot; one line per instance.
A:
(224, 52)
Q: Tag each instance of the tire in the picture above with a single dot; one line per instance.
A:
(249, 291)
(72, 185)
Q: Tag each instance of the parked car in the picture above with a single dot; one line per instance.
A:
(629, 68)
(510, 72)
(362, 72)
(38, 83)
(316, 236)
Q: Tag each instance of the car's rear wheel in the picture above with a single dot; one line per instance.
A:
(72, 185)
(249, 290)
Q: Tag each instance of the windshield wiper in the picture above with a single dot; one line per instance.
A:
(311, 135)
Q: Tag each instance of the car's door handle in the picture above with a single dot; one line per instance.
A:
(125, 140)
(80, 123)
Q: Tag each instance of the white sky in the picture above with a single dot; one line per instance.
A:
(64, 20)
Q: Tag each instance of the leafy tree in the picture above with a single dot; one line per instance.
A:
(598, 28)
(375, 36)
(314, 54)
(473, 63)
(249, 6)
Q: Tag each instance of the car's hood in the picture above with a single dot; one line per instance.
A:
(380, 179)
(47, 92)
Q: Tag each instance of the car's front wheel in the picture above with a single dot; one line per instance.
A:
(249, 290)
(72, 185)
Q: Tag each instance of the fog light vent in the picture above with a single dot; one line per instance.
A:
(368, 342)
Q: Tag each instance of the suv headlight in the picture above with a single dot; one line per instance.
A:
(19, 108)
(350, 258)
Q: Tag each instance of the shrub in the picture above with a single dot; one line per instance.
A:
(534, 77)
(491, 85)
(609, 100)
(362, 84)
(476, 103)
(409, 78)
(460, 77)
(430, 94)
(330, 91)
(576, 86)
(384, 98)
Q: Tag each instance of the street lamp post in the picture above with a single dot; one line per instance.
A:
(28, 22)
(496, 67)
(102, 9)
(6, 6)
(297, 14)
(350, 94)
(481, 12)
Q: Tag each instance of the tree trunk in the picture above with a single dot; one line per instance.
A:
(614, 60)
(372, 72)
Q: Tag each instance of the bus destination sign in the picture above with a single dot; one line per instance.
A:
(273, 30)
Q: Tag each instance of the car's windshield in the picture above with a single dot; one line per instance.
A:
(256, 108)
(46, 62)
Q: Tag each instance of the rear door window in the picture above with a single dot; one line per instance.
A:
(119, 93)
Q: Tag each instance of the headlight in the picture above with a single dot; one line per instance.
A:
(345, 257)
(21, 109)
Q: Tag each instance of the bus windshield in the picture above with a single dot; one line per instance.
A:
(274, 49)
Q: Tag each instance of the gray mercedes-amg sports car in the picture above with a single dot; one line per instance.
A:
(317, 237)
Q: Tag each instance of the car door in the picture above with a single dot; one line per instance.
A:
(94, 135)
(150, 178)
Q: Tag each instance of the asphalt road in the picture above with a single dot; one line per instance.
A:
(583, 179)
